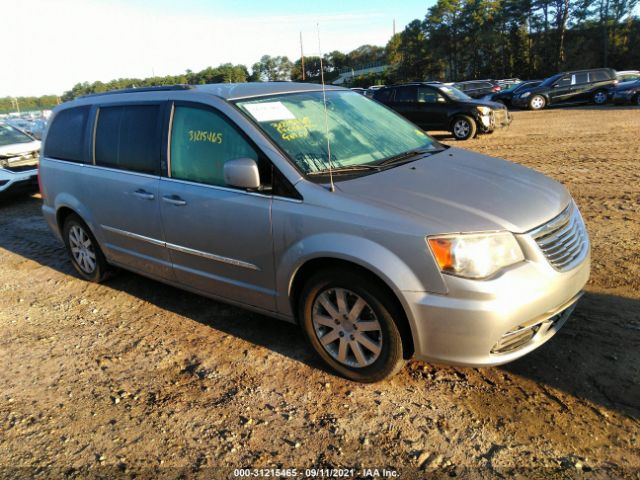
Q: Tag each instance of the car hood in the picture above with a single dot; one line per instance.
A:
(484, 103)
(17, 149)
(624, 86)
(460, 191)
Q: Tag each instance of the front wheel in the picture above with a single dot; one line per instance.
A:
(84, 251)
(349, 321)
(463, 128)
(600, 97)
(537, 102)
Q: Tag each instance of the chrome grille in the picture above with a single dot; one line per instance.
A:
(564, 239)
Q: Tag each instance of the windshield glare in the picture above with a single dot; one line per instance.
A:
(10, 136)
(360, 131)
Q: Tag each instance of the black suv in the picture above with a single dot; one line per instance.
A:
(478, 88)
(569, 87)
(435, 106)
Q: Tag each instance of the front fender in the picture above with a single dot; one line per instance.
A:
(397, 275)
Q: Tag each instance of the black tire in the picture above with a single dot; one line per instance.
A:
(378, 307)
(463, 127)
(101, 270)
(600, 97)
(537, 102)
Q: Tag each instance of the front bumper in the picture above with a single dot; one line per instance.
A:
(14, 183)
(496, 119)
(495, 321)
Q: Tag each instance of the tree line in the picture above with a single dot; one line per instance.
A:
(456, 40)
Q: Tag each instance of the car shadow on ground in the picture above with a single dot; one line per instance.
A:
(594, 357)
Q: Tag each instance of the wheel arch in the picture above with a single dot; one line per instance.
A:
(316, 264)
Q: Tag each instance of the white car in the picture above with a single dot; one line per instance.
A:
(19, 155)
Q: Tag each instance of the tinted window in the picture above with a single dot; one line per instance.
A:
(598, 76)
(580, 78)
(564, 81)
(201, 142)
(406, 94)
(428, 95)
(127, 137)
(383, 95)
(65, 140)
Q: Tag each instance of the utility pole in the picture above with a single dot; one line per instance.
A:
(301, 57)
(15, 101)
(394, 27)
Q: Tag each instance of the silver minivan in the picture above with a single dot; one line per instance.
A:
(322, 208)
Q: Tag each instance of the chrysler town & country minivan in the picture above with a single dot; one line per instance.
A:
(322, 208)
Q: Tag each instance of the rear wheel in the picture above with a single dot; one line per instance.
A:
(537, 102)
(463, 127)
(83, 249)
(600, 97)
(349, 321)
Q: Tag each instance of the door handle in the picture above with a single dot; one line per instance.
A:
(140, 193)
(174, 200)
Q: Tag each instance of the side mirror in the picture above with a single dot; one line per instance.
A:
(441, 100)
(242, 173)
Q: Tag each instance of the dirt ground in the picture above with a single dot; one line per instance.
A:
(137, 379)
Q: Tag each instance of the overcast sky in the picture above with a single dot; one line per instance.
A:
(50, 45)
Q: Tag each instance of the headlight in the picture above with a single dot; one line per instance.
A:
(525, 94)
(484, 110)
(475, 255)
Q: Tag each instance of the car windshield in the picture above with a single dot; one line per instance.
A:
(360, 131)
(455, 94)
(10, 135)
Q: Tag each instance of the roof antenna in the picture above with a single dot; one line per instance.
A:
(332, 187)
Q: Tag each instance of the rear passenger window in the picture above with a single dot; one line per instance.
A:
(580, 78)
(65, 139)
(201, 142)
(406, 94)
(128, 138)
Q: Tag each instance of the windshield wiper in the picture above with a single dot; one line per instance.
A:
(347, 169)
(405, 156)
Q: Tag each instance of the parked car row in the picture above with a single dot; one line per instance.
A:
(596, 85)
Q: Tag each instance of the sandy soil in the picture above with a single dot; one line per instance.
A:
(137, 379)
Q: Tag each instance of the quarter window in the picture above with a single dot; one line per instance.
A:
(201, 142)
(128, 138)
(598, 76)
(65, 139)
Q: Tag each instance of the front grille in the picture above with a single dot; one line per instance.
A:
(563, 240)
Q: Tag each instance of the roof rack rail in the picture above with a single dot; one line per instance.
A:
(159, 88)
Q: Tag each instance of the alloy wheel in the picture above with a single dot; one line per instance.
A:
(537, 102)
(82, 249)
(600, 97)
(461, 128)
(347, 327)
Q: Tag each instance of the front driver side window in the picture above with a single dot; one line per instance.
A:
(201, 142)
